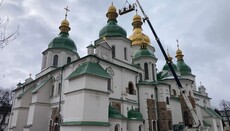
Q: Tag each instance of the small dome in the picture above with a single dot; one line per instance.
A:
(63, 42)
(183, 68)
(136, 18)
(65, 23)
(143, 52)
(112, 28)
(166, 67)
(112, 9)
(134, 115)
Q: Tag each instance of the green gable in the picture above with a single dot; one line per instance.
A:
(89, 68)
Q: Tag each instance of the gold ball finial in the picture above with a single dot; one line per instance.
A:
(169, 57)
(112, 13)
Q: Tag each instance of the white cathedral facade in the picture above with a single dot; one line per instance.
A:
(115, 87)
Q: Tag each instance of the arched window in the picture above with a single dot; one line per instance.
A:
(56, 126)
(109, 84)
(140, 127)
(44, 62)
(116, 128)
(154, 125)
(167, 100)
(189, 93)
(153, 71)
(55, 60)
(146, 71)
(68, 60)
(59, 88)
(131, 88)
(174, 92)
(52, 91)
(51, 125)
(125, 53)
(170, 125)
(113, 51)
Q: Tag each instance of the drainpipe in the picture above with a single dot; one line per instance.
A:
(156, 97)
(138, 97)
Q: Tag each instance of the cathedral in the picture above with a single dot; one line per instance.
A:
(115, 87)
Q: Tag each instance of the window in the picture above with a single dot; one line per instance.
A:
(154, 125)
(140, 127)
(113, 51)
(109, 84)
(167, 100)
(52, 91)
(146, 71)
(189, 93)
(125, 53)
(55, 60)
(153, 73)
(131, 90)
(186, 118)
(174, 92)
(68, 60)
(44, 62)
(116, 128)
(51, 125)
(170, 125)
(59, 88)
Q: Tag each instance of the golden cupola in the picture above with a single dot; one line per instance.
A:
(179, 54)
(138, 38)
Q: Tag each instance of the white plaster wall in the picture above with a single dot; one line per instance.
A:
(76, 84)
(84, 128)
(134, 125)
(101, 83)
(95, 106)
(73, 107)
(176, 112)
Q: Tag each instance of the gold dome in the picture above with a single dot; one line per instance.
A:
(112, 9)
(179, 54)
(136, 18)
(65, 23)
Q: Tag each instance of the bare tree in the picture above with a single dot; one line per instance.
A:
(6, 96)
(6, 38)
(225, 109)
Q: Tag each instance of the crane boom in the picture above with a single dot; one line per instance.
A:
(182, 90)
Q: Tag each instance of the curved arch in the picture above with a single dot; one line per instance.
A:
(116, 127)
(131, 88)
(68, 60)
(174, 92)
(55, 60)
(146, 71)
(140, 127)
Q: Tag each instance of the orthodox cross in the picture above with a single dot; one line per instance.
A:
(66, 11)
(177, 43)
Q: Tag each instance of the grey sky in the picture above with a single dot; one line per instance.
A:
(202, 27)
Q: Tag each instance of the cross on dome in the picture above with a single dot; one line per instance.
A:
(66, 11)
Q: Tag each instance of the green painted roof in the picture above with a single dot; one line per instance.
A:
(163, 74)
(112, 29)
(143, 52)
(166, 67)
(206, 124)
(40, 85)
(183, 68)
(114, 113)
(89, 68)
(134, 115)
(211, 112)
(63, 42)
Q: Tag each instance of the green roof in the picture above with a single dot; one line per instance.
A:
(40, 85)
(163, 74)
(206, 124)
(134, 115)
(211, 112)
(183, 68)
(114, 113)
(166, 67)
(112, 29)
(143, 52)
(89, 68)
(63, 42)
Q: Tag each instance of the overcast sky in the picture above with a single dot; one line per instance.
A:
(202, 27)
